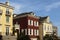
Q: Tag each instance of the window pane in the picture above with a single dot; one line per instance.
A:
(7, 30)
(7, 11)
(31, 31)
(28, 22)
(31, 22)
(34, 23)
(35, 32)
(37, 23)
(7, 18)
(28, 31)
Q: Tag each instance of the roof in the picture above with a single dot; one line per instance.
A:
(43, 18)
(26, 13)
(54, 27)
(30, 14)
(3, 4)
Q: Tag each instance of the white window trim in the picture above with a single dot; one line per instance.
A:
(31, 22)
(28, 31)
(28, 22)
(25, 31)
(31, 31)
(37, 23)
(34, 23)
(37, 32)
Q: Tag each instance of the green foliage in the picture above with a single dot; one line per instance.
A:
(50, 37)
(22, 36)
(47, 37)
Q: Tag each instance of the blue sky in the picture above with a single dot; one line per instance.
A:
(40, 8)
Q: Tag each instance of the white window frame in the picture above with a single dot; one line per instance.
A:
(28, 21)
(31, 22)
(37, 23)
(31, 31)
(37, 32)
(25, 31)
(28, 31)
(34, 23)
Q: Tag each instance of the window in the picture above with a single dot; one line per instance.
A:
(44, 27)
(37, 23)
(31, 22)
(28, 22)
(7, 11)
(28, 31)
(25, 31)
(0, 11)
(34, 23)
(31, 31)
(37, 32)
(7, 30)
(48, 27)
(7, 18)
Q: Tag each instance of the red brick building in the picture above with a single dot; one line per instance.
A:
(28, 23)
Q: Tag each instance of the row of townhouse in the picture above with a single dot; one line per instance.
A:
(34, 26)
(28, 22)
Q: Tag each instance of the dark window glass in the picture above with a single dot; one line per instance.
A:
(7, 11)
(7, 30)
(7, 18)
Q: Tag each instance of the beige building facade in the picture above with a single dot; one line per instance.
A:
(6, 18)
(45, 26)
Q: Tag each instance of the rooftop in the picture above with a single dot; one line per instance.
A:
(31, 14)
(6, 5)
